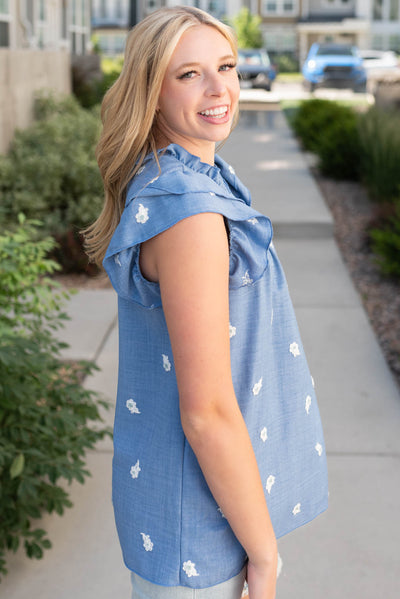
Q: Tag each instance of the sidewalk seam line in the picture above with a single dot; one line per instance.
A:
(105, 339)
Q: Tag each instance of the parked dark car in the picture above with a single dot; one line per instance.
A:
(255, 69)
(334, 65)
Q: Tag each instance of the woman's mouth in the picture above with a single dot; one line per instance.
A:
(219, 112)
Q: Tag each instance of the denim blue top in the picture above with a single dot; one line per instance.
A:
(171, 530)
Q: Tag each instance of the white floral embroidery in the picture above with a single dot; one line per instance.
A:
(142, 214)
(246, 278)
(132, 407)
(117, 260)
(166, 363)
(257, 387)
(272, 316)
(147, 542)
(190, 569)
(232, 331)
(294, 349)
(231, 169)
(140, 170)
(221, 512)
(312, 382)
(252, 221)
(264, 434)
(135, 470)
(318, 449)
(270, 482)
(296, 509)
(308, 403)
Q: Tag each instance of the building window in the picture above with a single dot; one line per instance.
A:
(119, 10)
(83, 13)
(42, 10)
(386, 10)
(378, 10)
(279, 7)
(4, 24)
(30, 13)
(103, 9)
(4, 35)
(79, 30)
(41, 24)
(64, 20)
(394, 10)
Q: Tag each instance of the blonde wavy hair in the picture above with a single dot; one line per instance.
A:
(129, 107)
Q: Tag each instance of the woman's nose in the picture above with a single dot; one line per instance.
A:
(215, 85)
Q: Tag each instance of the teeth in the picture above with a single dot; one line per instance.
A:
(217, 112)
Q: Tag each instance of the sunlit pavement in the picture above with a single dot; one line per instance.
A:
(297, 91)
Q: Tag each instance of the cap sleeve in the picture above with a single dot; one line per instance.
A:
(157, 208)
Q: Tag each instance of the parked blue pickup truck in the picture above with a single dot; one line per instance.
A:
(334, 65)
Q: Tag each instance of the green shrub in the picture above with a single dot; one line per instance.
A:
(50, 172)
(311, 120)
(386, 244)
(380, 153)
(330, 131)
(339, 147)
(47, 418)
(285, 63)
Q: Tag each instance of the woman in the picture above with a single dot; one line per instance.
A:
(218, 442)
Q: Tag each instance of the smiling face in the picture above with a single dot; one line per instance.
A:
(200, 93)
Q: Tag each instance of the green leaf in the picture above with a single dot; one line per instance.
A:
(17, 466)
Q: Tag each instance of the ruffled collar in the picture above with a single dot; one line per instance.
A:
(221, 172)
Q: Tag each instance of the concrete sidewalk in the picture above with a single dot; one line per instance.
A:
(351, 551)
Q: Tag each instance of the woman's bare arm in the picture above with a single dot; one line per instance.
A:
(191, 263)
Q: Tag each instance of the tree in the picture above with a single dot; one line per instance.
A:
(248, 30)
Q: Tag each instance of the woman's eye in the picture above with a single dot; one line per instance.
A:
(187, 75)
(227, 67)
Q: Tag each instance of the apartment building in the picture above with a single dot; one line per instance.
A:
(289, 26)
(293, 25)
(45, 25)
(111, 18)
(38, 38)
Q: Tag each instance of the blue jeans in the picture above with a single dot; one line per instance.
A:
(230, 589)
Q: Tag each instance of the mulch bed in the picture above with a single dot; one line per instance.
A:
(353, 213)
